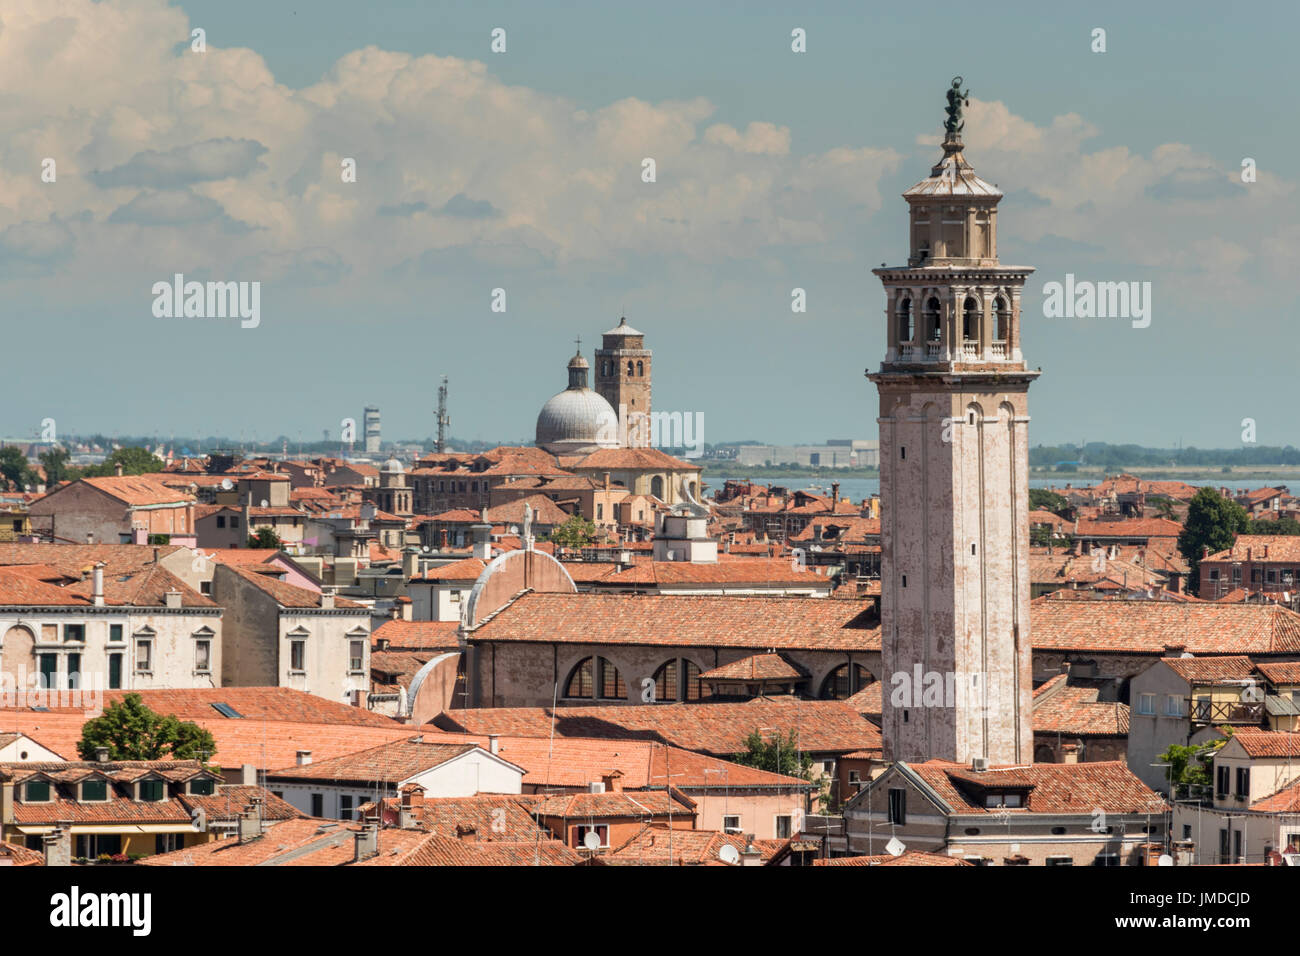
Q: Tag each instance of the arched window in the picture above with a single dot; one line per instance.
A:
(595, 677)
(640, 370)
(657, 487)
(906, 325)
(1002, 319)
(679, 679)
(629, 368)
(932, 329)
(970, 320)
(845, 681)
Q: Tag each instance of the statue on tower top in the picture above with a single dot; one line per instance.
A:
(956, 100)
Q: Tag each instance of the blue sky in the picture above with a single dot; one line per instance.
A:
(521, 171)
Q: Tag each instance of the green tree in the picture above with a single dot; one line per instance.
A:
(1274, 526)
(55, 463)
(577, 532)
(265, 538)
(133, 459)
(1047, 500)
(1192, 766)
(131, 731)
(14, 467)
(776, 754)
(1212, 522)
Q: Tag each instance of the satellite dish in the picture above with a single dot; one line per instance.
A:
(895, 846)
(729, 854)
(264, 502)
(226, 484)
(592, 840)
(1165, 860)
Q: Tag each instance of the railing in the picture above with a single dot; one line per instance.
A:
(970, 350)
(999, 349)
(1232, 711)
(933, 349)
(904, 351)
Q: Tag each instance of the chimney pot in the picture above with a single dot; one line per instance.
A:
(304, 757)
(494, 743)
(101, 755)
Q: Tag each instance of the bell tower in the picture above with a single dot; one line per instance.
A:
(623, 380)
(954, 478)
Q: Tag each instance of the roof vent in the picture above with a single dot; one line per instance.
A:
(979, 764)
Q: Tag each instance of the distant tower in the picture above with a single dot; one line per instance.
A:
(953, 479)
(443, 420)
(623, 379)
(371, 426)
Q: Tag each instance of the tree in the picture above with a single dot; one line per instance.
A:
(779, 754)
(57, 469)
(1274, 526)
(1212, 522)
(265, 538)
(133, 459)
(14, 467)
(577, 532)
(131, 731)
(1191, 766)
(1047, 500)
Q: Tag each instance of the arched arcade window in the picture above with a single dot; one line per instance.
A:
(595, 678)
(679, 679)
(845, 682)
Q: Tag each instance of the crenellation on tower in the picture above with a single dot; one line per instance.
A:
(953, 422)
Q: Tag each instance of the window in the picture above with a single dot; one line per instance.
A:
(115, 633)
(318, 804)
(1236, 846)
(1002, 319)
(203, 787)
(970, 320)
(94, 791)
(731, 824)
(144, 656)
(49, 670)
(455, 597)
(74, 632)
(783, 824)
(933, 330)
(221, 521)
(203, 656)
(114, 671)
(897, 806)
(1223, 846)
(298, 655)
(345, 807)
(37, 791)
(166, 842)
(1173, 706)
(1221, 781)
(600, 512)
(679, 679)
(595, 677)
(855, 777)
(356, 655)
(1059, 861)
(845, 681)
(1147, 704)
(1243, 781)
(640, 370)
(74, 671)
(905, 325)
(601, 831)
(205, 587)
(611, 682)
(151, 791)
(234, 521)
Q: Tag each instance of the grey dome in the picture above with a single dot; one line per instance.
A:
(577, 421)
(393, 466)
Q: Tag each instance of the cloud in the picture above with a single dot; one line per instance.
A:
(35, 248)
(174, 208)
(184, 165)
(462, 206)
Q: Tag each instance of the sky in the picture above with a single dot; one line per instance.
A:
(522, 170)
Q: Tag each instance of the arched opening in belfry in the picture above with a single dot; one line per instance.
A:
(970, 320)
(906, 326)
(933, 331)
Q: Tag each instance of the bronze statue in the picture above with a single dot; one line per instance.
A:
(956, 100)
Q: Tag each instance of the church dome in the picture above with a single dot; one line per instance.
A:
(578, 420)
(393, 467)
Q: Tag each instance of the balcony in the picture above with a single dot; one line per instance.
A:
(933, 350)
(970, 350)
(1230, 712)
(999, 350)
(905, 352)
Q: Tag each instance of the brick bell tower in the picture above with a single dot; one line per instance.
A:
(954, 479)
(623, 379)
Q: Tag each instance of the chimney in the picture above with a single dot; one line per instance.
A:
(1265, 552)
(250, 824)
(494, 743)
(327, 600)
(411, 802)
(750, 856)
(835, 495)
(1248, 551)
(58, 845)
(442, 540)
(360, 698)
(97, 587)
(90, 537)
(613, 781)
(304, 757)
(482, 539)
(101, 755)
(410, 563)
(367, 842)
(607, 481)
(1069, 753)
(172, 598)
(117, 469)
(381, 643)
(466, 833)
(248, 775)
(407, 606)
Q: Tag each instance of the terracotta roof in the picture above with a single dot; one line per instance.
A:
(715, 728)
(1211, 670)
(141, 588)
(1152, 627)
(1127, 528)
(1280, 672)
(417, 635)
(393, 762)
(254, 704)
(775, 572)
(16, 855)
(634, 458)
(1077, 707)
(494, 817)
(675, 621)
(588, 571)
(868, 700)
(467, 570)
(757, 667)
(241, 555)
(289, 595)
(641, 805)
(1286, 800)
(298, 842)
(139, 490)
(545, 511)
(653, 843)
(1053, 788)
(1268, 743)
(907, 858)
(1281, 547)
(74, 559)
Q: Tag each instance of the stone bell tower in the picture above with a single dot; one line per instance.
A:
(954, 478)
